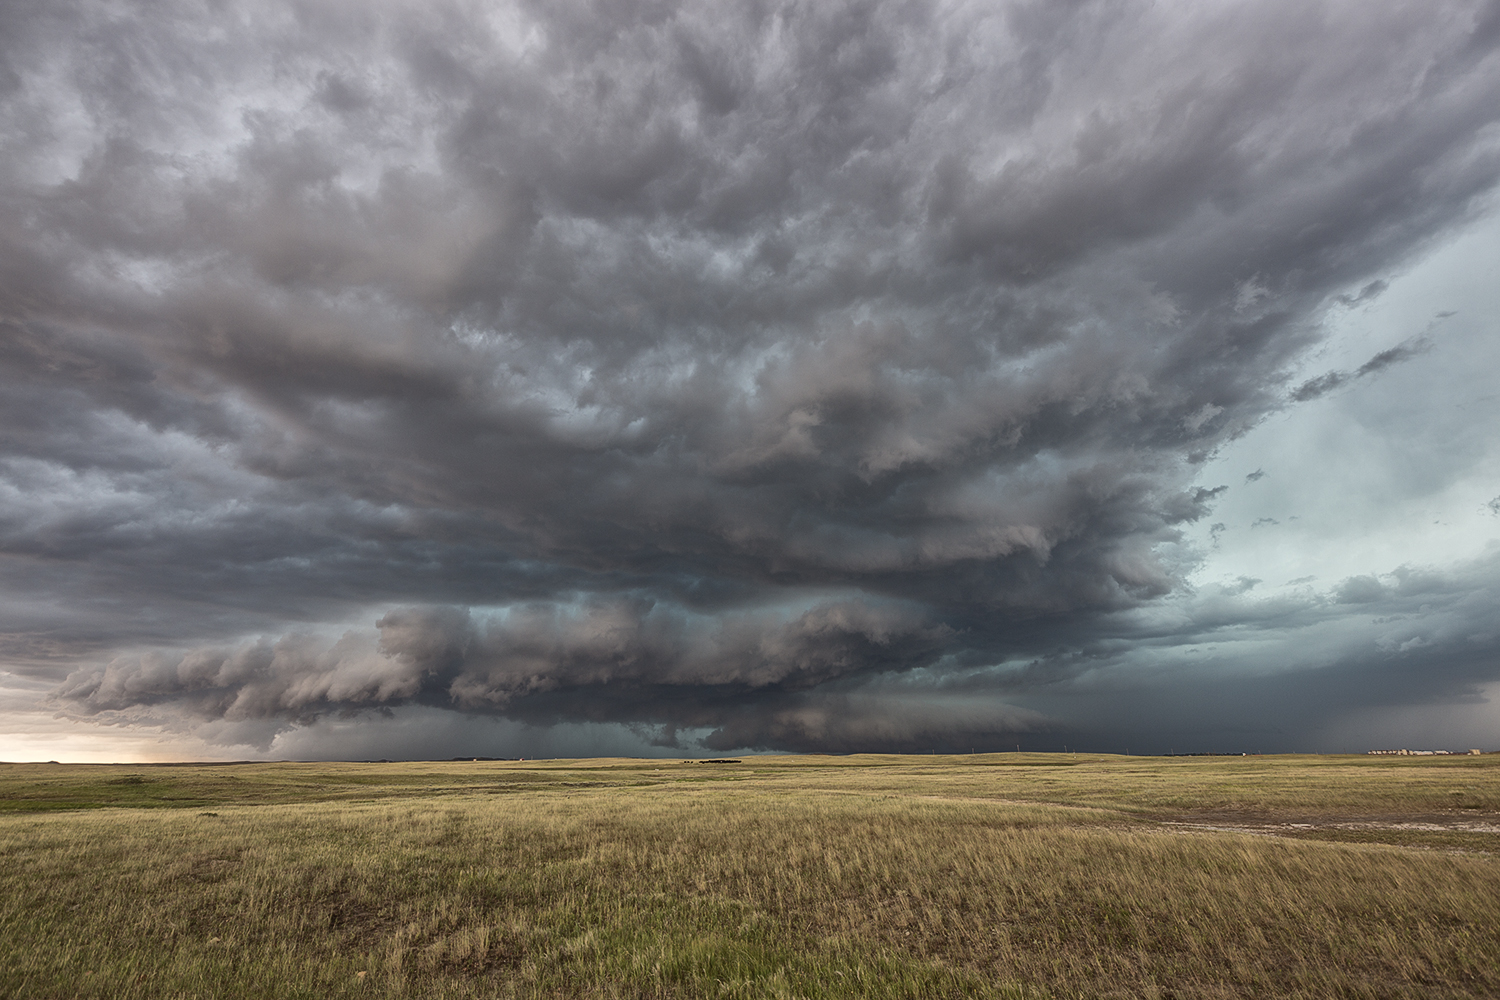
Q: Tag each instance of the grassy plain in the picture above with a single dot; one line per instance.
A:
(1005, 875)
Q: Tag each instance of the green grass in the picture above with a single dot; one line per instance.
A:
(777, 877)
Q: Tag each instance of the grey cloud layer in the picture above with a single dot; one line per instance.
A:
(444, 653)
(1289, 672)
(619, 661)
(912, 319)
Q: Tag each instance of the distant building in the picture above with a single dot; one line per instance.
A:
(1417, 753)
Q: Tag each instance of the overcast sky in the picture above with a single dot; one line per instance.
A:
(556, 378)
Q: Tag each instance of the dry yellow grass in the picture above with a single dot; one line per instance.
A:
(775, 878)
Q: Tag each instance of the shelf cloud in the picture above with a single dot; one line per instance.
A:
(824, 376)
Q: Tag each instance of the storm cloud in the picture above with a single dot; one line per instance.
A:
(791, 376)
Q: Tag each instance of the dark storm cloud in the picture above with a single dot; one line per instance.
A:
(448, 655)
(1202, 679)
(707, 362)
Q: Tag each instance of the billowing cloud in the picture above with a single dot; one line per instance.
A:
(698, 366)
(621, 660)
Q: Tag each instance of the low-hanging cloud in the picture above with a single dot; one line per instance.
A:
(683, 365)
(621, 660)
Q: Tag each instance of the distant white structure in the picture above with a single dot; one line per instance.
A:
(1423, 753)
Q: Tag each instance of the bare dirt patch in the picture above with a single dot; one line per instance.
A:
(1466, 832)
